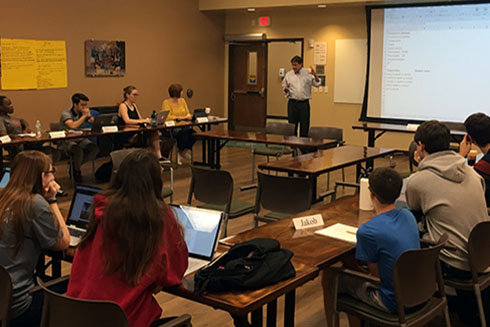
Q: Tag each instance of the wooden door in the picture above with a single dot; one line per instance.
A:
(247, 105)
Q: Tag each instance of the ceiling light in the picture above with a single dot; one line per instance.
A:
(251, 9)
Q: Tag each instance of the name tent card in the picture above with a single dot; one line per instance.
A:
(5, 139)
(57, 134)
(170, 123)
(201, 120)
(308, 221)
(110, 129)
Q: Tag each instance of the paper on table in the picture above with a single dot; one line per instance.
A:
(27, 134)
(341, 232)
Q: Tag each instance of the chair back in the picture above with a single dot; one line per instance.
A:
(211, 186)
(118, 156)
(285, 129)
(417, 276)
(60, 311)
(283, 194)
(479, 249)
(320, 132)
(5, 296)
(411, 151)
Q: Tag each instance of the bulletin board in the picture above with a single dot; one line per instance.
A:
(350, 70)
(32, 64)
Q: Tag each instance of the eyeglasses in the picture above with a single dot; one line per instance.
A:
(52, 171)
(135, 94)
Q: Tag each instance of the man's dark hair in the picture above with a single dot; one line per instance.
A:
(385, 184)
(433, 135)
(478, 127)
(297, 59)
(77, 97)
(2, 97)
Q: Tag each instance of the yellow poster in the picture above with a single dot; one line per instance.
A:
(32, 64)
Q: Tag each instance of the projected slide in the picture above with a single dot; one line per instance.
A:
(429, 62)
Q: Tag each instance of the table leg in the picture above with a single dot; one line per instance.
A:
(272, 313)
(218, 151)
(371, 137)
(289, 309)
(314, 183)
(257, 317)
(240, 321)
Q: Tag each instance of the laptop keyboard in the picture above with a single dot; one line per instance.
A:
(75, 232)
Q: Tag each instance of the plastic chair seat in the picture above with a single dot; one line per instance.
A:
(277, 215)
(348, 304)
(237, 208)
(467, 284)
(271, 150)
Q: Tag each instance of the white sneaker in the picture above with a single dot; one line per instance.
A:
(179, 159)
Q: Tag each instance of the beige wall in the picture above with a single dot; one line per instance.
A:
(320, 25)
(166, 41)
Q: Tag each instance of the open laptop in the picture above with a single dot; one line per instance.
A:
(199, 113)
(162, 116)
(5, 177)
(201, 232)
(102, 120)
(80, 211)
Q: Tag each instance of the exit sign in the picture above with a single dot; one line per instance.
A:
(264, 21)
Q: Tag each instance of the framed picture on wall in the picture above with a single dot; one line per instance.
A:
(105, 58)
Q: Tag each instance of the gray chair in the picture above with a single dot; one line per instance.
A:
(417, 282)
(5, 296)
(118, 156)
(479, 261)
(60, 310)
(282, 196)
(215, 189)
(333, 133)
(271, 150)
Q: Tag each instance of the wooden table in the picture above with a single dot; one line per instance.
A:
(317, 163)
(309, 248)
(219, 138)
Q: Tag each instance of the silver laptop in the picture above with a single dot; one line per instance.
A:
(201, 232)
(162, 116)
(80, 211)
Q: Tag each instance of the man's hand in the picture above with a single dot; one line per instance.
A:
(465, 146)
(86, 112)
(312, 72)
(286, 89)
(51, 190)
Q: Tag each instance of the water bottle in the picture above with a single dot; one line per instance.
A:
(154, 122)
(38, 128)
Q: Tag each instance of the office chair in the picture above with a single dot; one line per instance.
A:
(5, 296)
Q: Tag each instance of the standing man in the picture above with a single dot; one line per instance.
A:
(82, 150)
(297, 85)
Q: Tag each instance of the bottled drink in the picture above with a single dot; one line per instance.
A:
(38, 128)
(154, 122)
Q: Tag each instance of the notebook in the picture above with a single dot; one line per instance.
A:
(201, 232)
(340, 232)
(5, 177)
(80, 211)
(162, 116)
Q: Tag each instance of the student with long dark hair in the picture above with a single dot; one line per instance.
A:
(133, 246)
(30, 221)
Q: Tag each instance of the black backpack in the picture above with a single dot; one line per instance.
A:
(246, 266)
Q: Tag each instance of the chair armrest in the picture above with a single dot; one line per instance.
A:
(358, 274)
(248, 187)
(48, 284)
(432, 243)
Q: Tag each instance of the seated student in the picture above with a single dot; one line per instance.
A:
(179, 111)
(128, 114)
(30, 221)
(478, 129)
(10, 125)
(133, 246)
(380, 242)
(448, 192)
(81, 150)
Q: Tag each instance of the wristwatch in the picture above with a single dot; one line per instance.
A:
(51, 201)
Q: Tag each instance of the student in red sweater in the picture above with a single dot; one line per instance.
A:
(133, 246)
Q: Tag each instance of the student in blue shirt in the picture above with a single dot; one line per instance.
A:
(380, 242)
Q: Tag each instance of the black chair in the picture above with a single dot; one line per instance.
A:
(272, 150)
(60, 310)
(282, 196)
(479, 261)
(5, 296)
(417, 281)
(215, 189)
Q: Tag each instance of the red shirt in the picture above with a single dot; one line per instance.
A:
(88, 281)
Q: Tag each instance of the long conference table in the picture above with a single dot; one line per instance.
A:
(219, 138)
(71, 135)
(321, 162)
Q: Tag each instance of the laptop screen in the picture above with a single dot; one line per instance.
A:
(81, 205)
(5, 177)
(201, 229)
